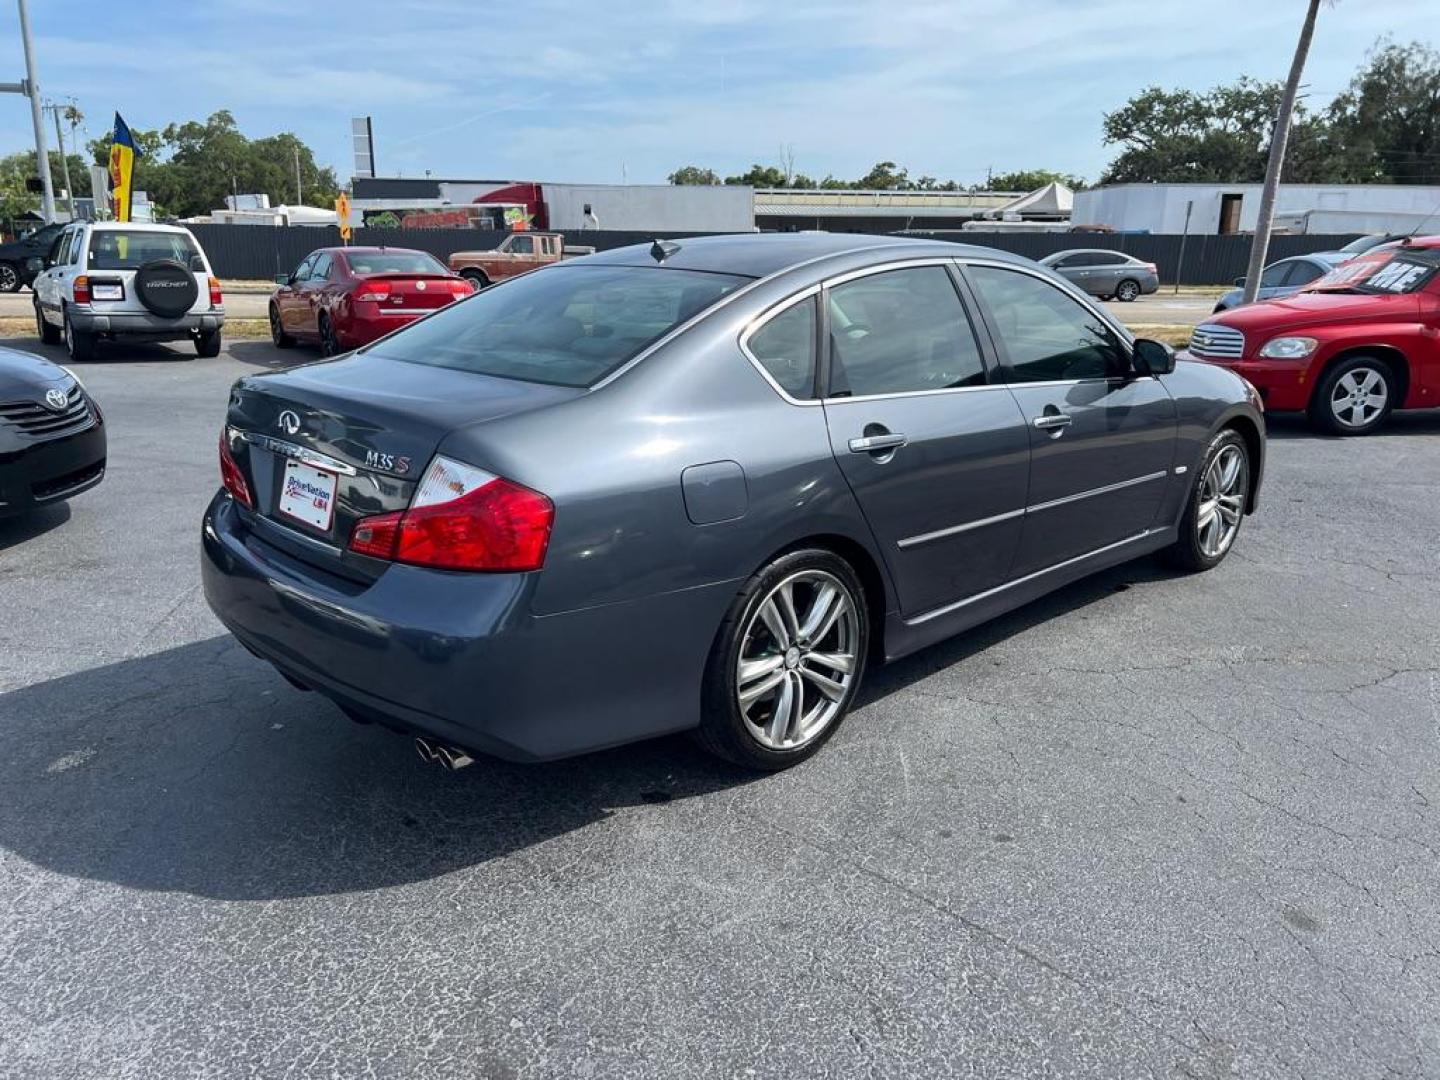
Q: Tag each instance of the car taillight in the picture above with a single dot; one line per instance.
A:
(231, 476)
(82, 289)
(461, 287)
(216, 298)
(1152, 268)
(462, 518)
(367, 290)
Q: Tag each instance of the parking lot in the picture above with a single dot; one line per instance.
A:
(1149, 826)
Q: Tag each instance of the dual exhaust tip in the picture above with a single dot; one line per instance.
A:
(448, 757)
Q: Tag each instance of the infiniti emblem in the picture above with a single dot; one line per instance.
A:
(288, 422)
(57, 399)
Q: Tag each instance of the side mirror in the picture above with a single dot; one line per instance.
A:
(1239, 282)
(282, 279)
(1153, 357)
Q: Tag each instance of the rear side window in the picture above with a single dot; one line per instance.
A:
(563, 325)
(124, 249)
(1045, 335)
(898, 332)
(785, 347)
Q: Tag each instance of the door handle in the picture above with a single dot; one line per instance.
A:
(1056, 421)
(868, 444)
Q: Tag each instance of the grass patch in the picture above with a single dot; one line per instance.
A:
(22, 326)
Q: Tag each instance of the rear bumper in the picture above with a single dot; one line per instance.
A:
(1284, 385)
(361, 330)
(146, 325)
(40, 473)
(459, 656)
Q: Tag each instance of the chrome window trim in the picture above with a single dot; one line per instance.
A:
(759, 322)
(955, 530)
(948, 609)
(302, 454)
(911, 394)
(724, 301)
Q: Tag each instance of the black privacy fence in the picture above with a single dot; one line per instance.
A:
(251, 252)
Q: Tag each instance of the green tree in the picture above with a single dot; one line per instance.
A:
(1030, 179)
(885, 176)
(1385, 128)
(16, 169)
(761, 176)
(693, 175)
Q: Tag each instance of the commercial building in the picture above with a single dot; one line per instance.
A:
(662, 208)
(789, 209)
(1233, 208)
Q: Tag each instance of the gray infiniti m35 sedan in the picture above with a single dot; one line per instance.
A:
(700, 486)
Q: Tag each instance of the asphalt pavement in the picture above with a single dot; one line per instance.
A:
(1151, 826)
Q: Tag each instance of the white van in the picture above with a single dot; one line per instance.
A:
(116, 280)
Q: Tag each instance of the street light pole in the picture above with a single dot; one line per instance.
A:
(32, 88)
(64, 162)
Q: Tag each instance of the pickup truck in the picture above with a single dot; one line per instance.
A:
(517, 253)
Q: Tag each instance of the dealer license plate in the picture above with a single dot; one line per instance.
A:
(308, 495)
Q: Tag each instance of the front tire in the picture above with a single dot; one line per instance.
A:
(1216, 507)
(9, 277)
(1355, 397)
(278, 337)
(78, 343)
(786, 663)
(1127, 291)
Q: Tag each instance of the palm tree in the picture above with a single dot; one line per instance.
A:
(1261, 244)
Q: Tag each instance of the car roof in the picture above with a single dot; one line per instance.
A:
(1090, 251)
(760, 255)
(136, 226)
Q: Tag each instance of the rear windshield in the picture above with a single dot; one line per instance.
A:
(394, 262)
(119, 249)
(1381, 273)
(564, 325)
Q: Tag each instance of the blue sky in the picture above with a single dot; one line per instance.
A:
(555, 90)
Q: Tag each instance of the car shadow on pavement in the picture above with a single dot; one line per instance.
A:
(263, 354)
(15, 531)
(199, 770)
(129, 352)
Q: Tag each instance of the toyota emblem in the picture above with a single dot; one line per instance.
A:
(289, 422)
(57, 400)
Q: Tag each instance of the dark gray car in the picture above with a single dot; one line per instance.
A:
(1105, 273)
(698, 486)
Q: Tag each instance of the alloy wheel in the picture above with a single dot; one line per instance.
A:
(1222, 502)
(9, 279)
(798, 657)
(1359, 397)
(1127, 291)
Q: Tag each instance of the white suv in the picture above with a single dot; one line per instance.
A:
(113, 280)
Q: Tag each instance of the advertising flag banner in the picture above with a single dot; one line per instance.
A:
(122, 169)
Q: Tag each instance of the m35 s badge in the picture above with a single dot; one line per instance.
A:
(374, 459)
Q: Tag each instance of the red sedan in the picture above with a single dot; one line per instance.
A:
(346, 297)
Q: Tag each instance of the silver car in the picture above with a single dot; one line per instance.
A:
(1285, 276)
(1105, 273)
(700, 486)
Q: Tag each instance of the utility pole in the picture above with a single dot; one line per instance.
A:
(64, 164)
(299, 191)
(1261, 244)
(30, 87)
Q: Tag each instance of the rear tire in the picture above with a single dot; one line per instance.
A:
(329, 343)
(786, 663)
(476, 278)
(78, 343)
(1354, 397)
(1216, 505)
(48, 334)
(207, 345)
(1127, 291)
(9, 277)
(278, 337)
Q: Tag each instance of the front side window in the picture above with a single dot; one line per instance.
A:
(898, 332)
(321, 270)
(127, 249)
(1274, 275)
(1302, 273)
(303, 270)
(567, 325)
(522, 245)
(785, 347)
(1045, 335)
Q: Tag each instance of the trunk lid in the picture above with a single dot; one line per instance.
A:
(409, 292)
(364, 424)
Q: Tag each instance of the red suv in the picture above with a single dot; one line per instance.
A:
(1360, 341)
